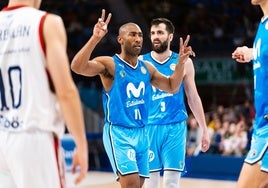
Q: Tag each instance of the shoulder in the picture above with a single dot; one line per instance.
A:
(105, 59)
(174, 55)
(189, 67)
(145, 56)
(53, 28)
(53, 20)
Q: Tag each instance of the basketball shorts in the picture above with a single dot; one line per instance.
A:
(30, 160)
(127, 149)
(167, 147)
(258, 152)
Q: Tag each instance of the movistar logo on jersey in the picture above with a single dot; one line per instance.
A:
(136, 92)
(132, 91)
(256, 54)
(257, 49)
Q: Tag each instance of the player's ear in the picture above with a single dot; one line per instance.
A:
(171, 37)
(119, 40)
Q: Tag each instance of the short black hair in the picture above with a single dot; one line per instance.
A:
(169, 25)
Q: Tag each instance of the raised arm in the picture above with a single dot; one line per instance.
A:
(81, 63)
(172, 84)
(66, 91)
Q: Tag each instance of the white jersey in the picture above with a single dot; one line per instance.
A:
(27, 102)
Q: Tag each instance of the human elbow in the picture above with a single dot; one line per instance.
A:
(173, 90)
(75, 66)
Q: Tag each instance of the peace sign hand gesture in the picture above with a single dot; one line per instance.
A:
(185, 50)
(100, 28)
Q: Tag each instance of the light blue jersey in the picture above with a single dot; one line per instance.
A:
(166, 108)
(167, 128)
(126, 103)
(125, 135)
(260, 67)
(259, 143)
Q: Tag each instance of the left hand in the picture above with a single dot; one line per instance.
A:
(185, 50)
(205, 141)
(80, 159)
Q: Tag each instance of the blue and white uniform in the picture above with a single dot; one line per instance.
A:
(30, 118)
(259, 143)
(167, 121)
(125, 107)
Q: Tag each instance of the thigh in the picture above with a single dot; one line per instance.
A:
(155, 143)
(173, 148)
(5, 176)
(251, 176)
(33, 160)
(127, 149)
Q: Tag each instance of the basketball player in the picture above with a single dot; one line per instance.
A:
(167, 112)
(254, 172)
(126, 81)
(38, 96)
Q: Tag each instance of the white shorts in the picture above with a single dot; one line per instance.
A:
(31, 160)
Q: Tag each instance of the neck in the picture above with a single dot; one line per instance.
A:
(264, 7)
(130, 59)
(161, 56)
(32, 3)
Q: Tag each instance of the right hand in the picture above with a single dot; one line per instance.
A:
(243, 54)
(101, 27)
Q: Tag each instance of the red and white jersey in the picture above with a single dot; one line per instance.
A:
(26, 100)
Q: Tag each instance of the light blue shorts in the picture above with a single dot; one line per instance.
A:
(127, 149)
(167, 147)
(258, 152)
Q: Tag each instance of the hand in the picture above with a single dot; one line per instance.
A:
(205, 141)
(101, 27)
(243, 54)
(80, 159)
(185, 50)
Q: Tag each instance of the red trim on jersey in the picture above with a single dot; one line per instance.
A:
(57, 148)
(43, 46)
(14, 7)
(41, 36)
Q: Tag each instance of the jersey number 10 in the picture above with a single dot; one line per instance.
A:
(13, 79)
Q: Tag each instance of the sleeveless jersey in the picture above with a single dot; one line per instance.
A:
(164, 107)
(260, 67)
(27, 103)
(126, 102)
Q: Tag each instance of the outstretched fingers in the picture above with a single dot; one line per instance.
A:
(181, 46)
(186, 41)
(190, 51)
(184, 48)
(104, 23)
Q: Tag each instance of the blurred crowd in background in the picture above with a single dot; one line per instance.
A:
(216, 28)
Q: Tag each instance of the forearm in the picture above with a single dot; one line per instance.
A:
(196, 107)
(72, 113)
(80, 60)
(176, 78)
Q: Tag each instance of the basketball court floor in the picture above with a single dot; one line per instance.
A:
(97, 179)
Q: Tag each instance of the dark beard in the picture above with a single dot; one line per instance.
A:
(163, 47)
